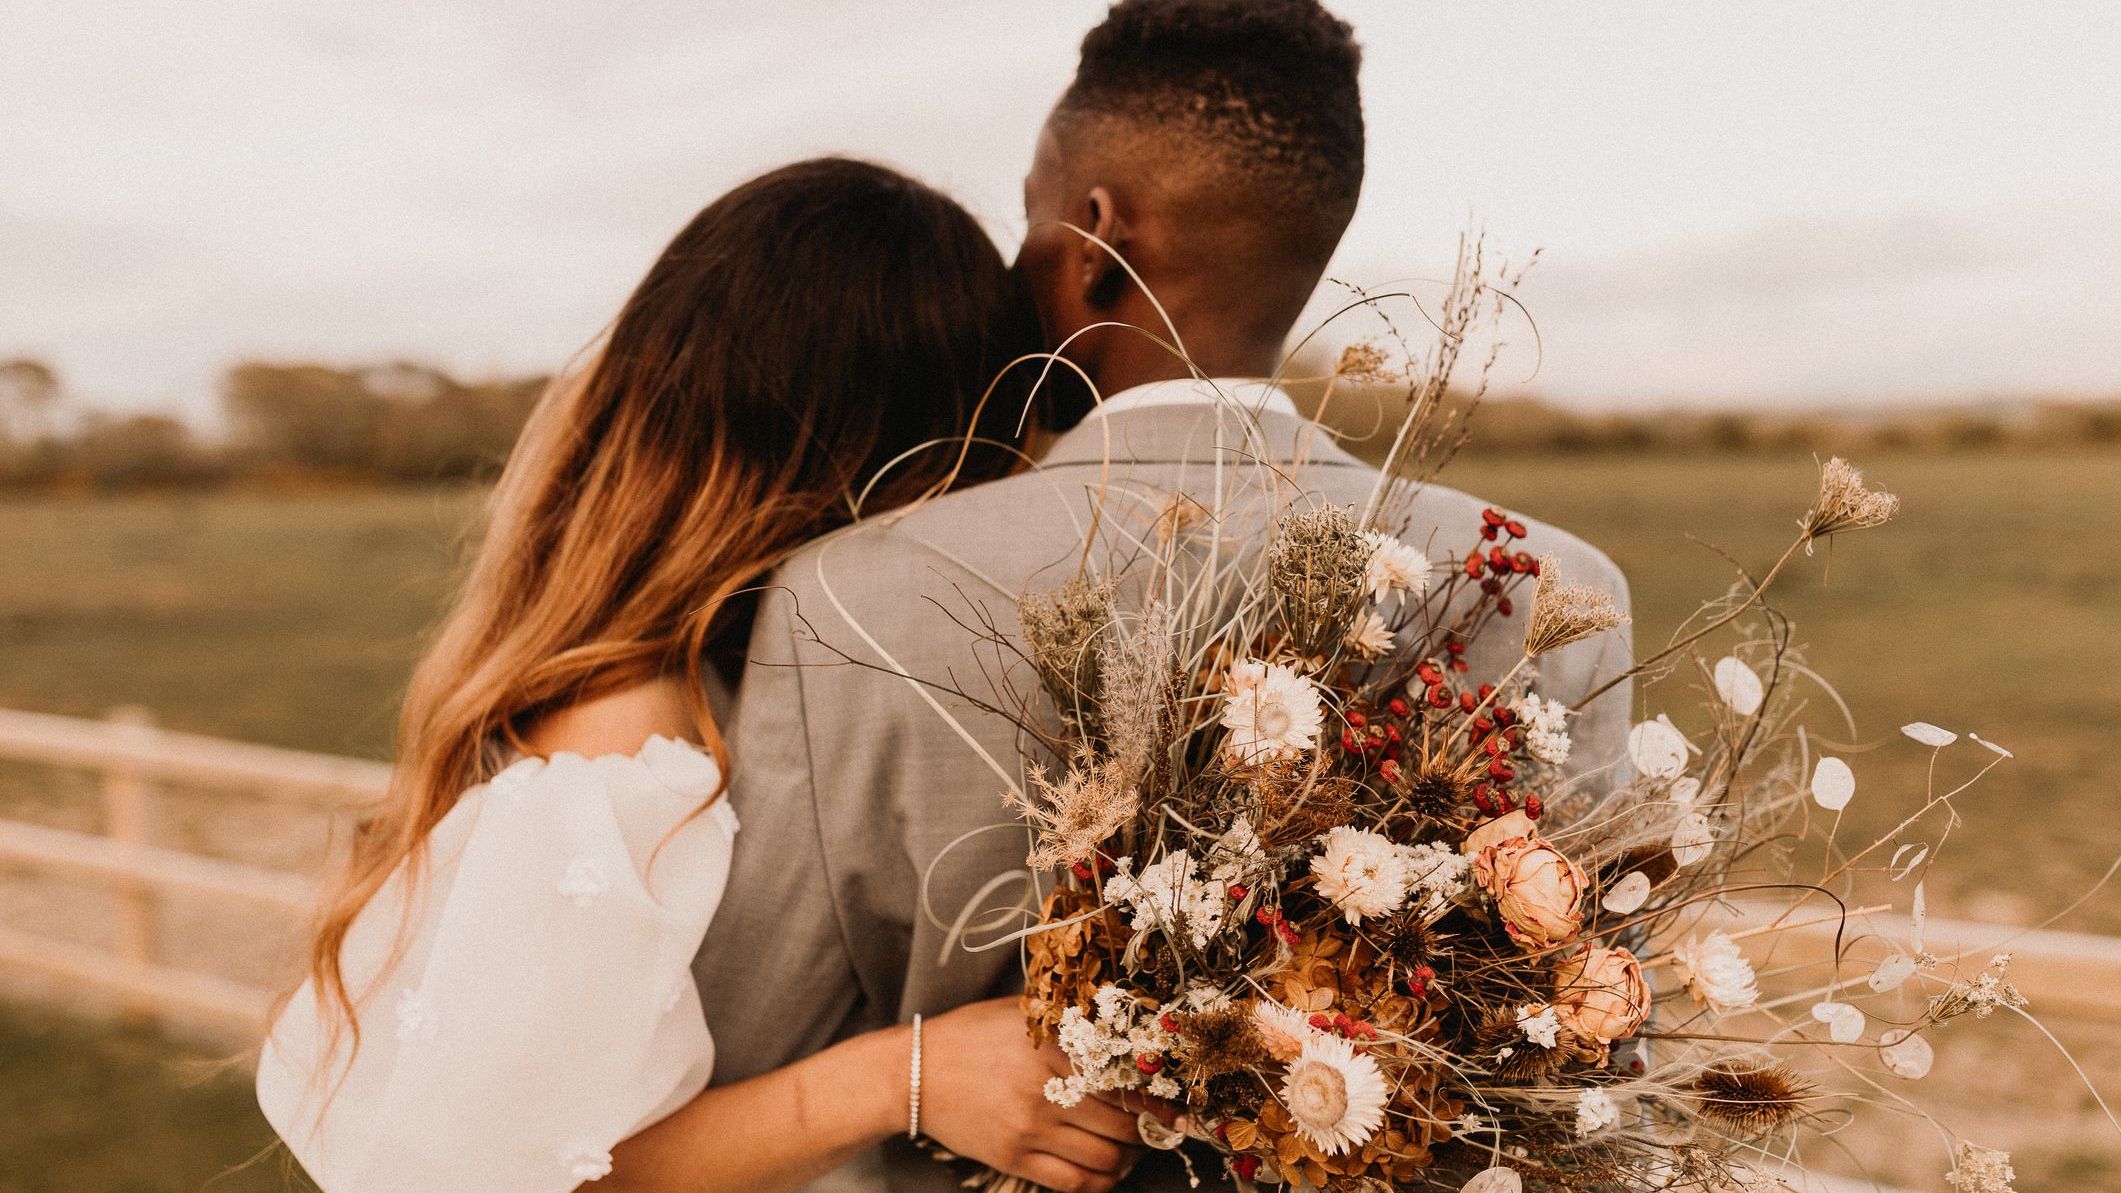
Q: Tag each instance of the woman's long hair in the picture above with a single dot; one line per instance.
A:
(806, 329)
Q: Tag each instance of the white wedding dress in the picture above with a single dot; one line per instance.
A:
(542, 1007)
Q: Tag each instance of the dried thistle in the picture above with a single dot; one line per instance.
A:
(1751, 1098)
(1565, 613)
(1317, 567)
(1075, 815)
(1845, 503)
(1438, 788)
(1061, 630)
(1213, 1043)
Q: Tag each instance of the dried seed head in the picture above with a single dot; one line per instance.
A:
(1751, 1098)
(1061, 630)
(1317, 567)
(1845, 503)
(1076, 814)
(1565, 613)
(1365, 362)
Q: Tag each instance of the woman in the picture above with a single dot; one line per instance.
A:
(499, 993)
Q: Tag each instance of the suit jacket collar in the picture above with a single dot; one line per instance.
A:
(1197, 434)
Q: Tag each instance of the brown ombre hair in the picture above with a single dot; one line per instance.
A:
(806, 330)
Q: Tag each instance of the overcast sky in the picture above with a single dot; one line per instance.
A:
(1752, 199)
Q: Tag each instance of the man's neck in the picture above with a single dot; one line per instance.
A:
(1132, 360)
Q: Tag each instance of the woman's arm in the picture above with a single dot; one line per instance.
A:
(981, 1097)
(982, 1087)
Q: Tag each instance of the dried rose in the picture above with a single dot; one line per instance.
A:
(1600, 993)
(1496, 831)
(1538, 890)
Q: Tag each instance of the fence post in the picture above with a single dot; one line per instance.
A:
(125, 816)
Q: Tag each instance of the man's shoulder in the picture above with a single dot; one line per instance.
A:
(1024, 521)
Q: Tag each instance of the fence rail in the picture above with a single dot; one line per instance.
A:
(133, 758)
(2060, 971)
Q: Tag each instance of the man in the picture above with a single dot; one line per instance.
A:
(1216, 147)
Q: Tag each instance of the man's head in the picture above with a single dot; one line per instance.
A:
(1218, 146)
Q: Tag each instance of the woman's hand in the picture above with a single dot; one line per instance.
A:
(983, 1096)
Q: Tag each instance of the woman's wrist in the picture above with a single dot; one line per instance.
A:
(871, 1088)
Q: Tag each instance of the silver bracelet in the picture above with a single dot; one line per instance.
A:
(913, 1086)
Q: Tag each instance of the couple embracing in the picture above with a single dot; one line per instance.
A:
(666, 895)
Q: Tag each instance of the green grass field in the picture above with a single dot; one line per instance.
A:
(1993, 604)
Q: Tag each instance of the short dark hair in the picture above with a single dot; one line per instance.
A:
(1268, 86)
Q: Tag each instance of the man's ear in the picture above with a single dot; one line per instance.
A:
(1102, 279)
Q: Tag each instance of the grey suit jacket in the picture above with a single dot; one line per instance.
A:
(851, 785)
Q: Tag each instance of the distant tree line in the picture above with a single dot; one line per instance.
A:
(396, 423)
(408, 423)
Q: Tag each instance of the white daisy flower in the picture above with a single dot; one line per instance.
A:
(1363, 873)
(1335, 1094)
(1370, 637)
(1395, 567)
(1717, 972)
(1284, 1030)
(1271, 712)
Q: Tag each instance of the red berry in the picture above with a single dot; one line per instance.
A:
(1461, 666)
(1399, 707)
(1504, 607)
(1494, 517)
(1389, 770)
(1467, 702)
(1489, 533)
(1532, 807)
(1166, 1022)
(1357, 719)
(1426, 973)
(1439, 697)
(1501, 770)
(1473, 565)
(1455, 647)
(1522, 562)
(1515, 527)
(1349, 742)
(1246, 1167)
(1392, 734)
(1238, 891)
(1149, 1062)
(1083, 871)
(1321, 1022)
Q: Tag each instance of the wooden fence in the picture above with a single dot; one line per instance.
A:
(2059, 970)
(132, 760)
